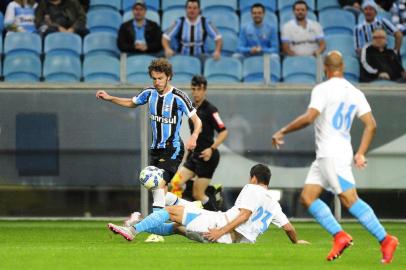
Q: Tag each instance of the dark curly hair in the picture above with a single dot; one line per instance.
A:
(161, 65)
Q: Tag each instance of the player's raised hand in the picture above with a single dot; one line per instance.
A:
(103, 95)
(277, 139)
(360, 161)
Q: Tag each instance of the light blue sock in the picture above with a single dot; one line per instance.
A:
(322, 213)
(164, 229)
(155, 219)
(366, 216)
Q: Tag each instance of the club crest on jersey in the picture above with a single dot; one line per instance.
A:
(167, 108)
(163, 120)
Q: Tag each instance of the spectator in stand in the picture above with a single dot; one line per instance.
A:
(353, 6)
(386, 5)
(139, 35)
(191, 32)
(258, 37)
(398, 12)
(60, 16)
(301, 36)
(380, 63)
(363, 31)
(20, 16)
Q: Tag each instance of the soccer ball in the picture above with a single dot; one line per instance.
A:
(151, 177)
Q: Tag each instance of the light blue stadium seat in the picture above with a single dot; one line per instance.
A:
(63, 43)
(151, 5)
(299, 69)
(245, 5)
(230, 43)
(253, 69)
(224, 20)
(284, 5)
(62, 68)
(323, 5)
(341, 43)
(170, 16)
(1, 44)
(185, 67)
(1, 22)
(137, 68)
(100, 44)
(103, 21)
(114, 5)
(287, 15)
(171, 4)
(22, 68)
(101, 69)
(351, 69)
(22, 43)
(224, 70)
(150, 15)
(209, 5)
(337, 21)
(403, 48)
(270, 17)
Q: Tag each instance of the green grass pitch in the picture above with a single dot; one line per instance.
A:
(89, 245)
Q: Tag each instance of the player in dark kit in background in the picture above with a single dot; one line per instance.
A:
(203, 161)
(166, 105)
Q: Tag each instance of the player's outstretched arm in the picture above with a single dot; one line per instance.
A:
(367, 136)
(291, 233)
(125, 102)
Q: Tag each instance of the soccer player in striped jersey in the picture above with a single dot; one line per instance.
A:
(333, 106)
(166, 105)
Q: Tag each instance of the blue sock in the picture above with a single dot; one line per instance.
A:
(155, 219)
(366, 216)
(322, 213)
(164, 229)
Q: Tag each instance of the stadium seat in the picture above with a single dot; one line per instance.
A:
(351, 69)
(253, 69)
(224, 20)
(245, 5)
(185, 67)
(284, 5)
(230, 43)
(209, 5)
(342, 43)
(63, 43)
(137, 68)
(323, 5)
(287, 15)
(1, 45)
(1, 22)
(101, 69)
(337, 21)
(22, 68)
(403, 48)
(100, 44)
(151, 5)
(299, 69)
(62, 68)
(270, 17)
(172, 4)
(224, 70)
(150, 15)
(170, 16)
(104, 4)
(104, 21)
(22, 43)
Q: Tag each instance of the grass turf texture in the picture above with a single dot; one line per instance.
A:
(89, 245)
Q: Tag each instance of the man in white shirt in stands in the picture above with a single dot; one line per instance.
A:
(301, 36)
(333, 106)
(251, 215)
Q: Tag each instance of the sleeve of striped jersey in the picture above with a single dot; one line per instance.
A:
(278, 217)
(216, 120)
(363, 106)
(364, 61)
(142, 98)
(388, 26)
(185, 104)
(357, 42)
(212, 30)
(173, 30)
(317, 100)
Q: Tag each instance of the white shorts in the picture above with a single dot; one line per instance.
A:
(200, 221)
(333, 174)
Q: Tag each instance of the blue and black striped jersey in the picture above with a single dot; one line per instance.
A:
(165, 113)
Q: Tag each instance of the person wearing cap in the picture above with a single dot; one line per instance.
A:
(363, 31)
(139, 35)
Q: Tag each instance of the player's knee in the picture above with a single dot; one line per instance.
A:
(305, 200)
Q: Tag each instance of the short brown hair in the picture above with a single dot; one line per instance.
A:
(161, 65)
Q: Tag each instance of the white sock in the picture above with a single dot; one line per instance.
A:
(159, 197)
(172, 199)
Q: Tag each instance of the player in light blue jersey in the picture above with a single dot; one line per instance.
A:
(332, 108)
